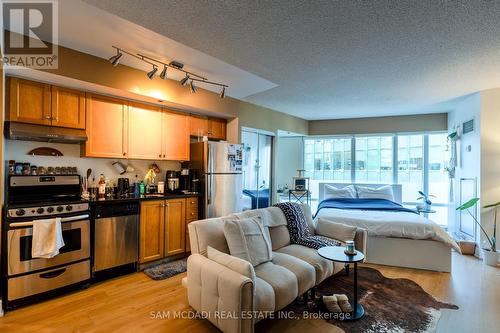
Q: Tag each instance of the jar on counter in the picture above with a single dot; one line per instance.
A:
(33, 170)
(12, 167)
(26, 169)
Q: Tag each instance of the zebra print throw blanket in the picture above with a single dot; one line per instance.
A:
(298, 229)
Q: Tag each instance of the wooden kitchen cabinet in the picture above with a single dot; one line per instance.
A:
(152, 231)
(144, 132)
(175, 227)
(198, 125)
(105, 127)
(28, 101)
(68, 108)
(217, 128)
(175, 136)
(191, 216)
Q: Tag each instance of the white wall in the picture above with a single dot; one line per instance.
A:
(290, 157)
(490, 156)
(469, 165)
(17, 150)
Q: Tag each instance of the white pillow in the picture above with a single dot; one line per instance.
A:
(384, 192)
(247, 240)
(236, 264)
(332, 192)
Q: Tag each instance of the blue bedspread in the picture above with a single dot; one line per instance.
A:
(363, 204)
(263, 197)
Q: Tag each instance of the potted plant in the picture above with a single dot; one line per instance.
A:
(490, 253)
(426, 201)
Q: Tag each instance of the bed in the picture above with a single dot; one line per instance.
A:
(252, 199)
(396, 236)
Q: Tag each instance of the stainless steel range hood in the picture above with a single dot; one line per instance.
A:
(29, 132)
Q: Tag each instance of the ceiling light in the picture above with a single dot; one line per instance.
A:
(193, 88)
(185, 80)
(163, 74)
(223, 92)
(152, 72)
(115, 60)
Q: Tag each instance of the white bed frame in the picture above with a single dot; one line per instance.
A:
(402, 252)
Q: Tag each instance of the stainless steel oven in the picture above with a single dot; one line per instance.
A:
(76, 235)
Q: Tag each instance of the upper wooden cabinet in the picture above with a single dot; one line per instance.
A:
(214, 128)
(42, 104)
(144, 132)
(68, 108)
(152, 231)
(217, 128)
(175, 136)
(106, 121)
(198, 125)
(28, 101)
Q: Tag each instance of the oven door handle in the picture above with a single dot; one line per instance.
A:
(52, 274)
(65, 219)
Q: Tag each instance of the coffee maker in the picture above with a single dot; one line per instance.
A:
(172, 181)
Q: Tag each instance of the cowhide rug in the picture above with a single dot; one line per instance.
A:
(391, 305)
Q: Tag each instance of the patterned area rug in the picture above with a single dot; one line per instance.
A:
(165, 270)
(391, 305)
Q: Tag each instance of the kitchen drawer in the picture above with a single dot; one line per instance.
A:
(36, 283)
(191, 214)
(192, 202)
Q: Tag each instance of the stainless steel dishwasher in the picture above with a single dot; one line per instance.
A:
(116, 239)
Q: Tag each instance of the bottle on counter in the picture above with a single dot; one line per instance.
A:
(101, 194)
(93, 189)
(142, 188)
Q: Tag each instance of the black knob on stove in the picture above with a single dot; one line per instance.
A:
(50, 209)
(20, 212)
(69, 208)
(40, 210)
(60, 208)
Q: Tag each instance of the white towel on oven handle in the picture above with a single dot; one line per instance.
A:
(47, 238)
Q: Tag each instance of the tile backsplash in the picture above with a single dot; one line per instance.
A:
(18, 151)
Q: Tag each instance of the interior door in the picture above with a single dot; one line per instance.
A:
(105, 119)
(257, 165)
(144, 132)
(68, 108)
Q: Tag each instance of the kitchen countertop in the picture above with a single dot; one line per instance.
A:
(166, 196)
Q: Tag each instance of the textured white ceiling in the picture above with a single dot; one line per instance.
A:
(338, 59)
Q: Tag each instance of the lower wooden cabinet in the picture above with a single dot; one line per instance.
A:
(152, 230)
(163, 227)
(175, 227)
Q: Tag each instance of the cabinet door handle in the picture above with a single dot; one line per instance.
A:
(159, 155)
(47, 117)
(124, 154)
(163, 155)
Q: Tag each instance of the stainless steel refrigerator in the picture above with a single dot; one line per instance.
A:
(220, 169)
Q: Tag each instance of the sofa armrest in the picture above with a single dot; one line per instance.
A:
(221, 294)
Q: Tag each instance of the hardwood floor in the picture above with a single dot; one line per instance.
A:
(125, 304)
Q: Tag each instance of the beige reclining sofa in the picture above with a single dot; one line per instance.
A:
(233, 301)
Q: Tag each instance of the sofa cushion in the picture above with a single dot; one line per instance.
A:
(236, 264)
(323, 267)
(264, 298)
(339, 231)
(279, 237)
(283, 282)
(305, 272)
(206, 233)
(246, 239)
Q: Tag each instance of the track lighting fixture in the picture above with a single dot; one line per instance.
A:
(163, 74)
(185, 80)
(193, 88)
(115, 60)
(189, 77)
(152, 72)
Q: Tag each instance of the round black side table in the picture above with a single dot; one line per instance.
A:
(336, 253)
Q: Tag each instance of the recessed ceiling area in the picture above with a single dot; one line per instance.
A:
(339, 59)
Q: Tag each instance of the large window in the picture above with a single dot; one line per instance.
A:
(416, 161)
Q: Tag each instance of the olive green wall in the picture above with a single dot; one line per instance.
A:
(414, 123)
